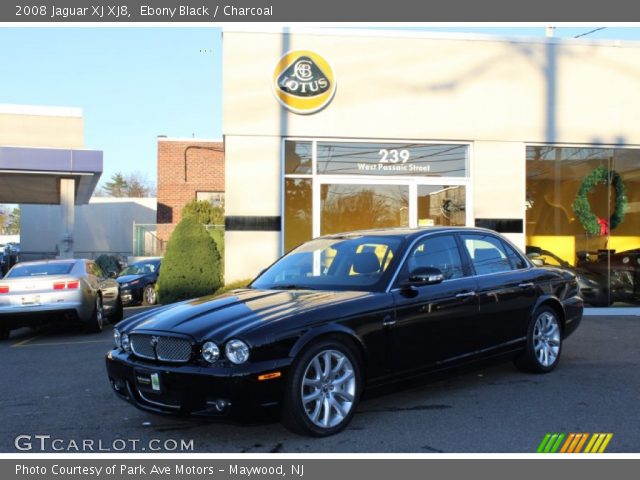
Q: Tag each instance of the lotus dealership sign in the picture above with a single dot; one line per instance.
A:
(303, 82)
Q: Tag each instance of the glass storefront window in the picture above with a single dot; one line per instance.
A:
(298, 224)
(298, 158)
(392, 159)
(441, 205)
(359, 207)
(339, 186)
(604, 255)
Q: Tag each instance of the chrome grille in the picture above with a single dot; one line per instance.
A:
(166, 349)
(173, 349)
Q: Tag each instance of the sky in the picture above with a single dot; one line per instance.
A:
(134, 84)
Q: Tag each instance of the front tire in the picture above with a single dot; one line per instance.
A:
(323, 389)
(544, 342)
(118, 312)
(95, 323)
(149, 295)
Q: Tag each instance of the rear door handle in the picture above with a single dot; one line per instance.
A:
(388, 321)
(526, 285)
(466, 294)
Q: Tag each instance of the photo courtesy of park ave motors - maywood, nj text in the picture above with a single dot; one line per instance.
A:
(297, 239)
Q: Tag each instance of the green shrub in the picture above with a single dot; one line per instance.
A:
(204, 212)
(109, 263)
(191, 266)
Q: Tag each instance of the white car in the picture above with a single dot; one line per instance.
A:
(35, 293)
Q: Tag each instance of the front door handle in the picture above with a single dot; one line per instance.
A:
(466, 294)
(388, 321)
(526, 285)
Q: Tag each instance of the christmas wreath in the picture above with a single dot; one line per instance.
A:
(593, 224)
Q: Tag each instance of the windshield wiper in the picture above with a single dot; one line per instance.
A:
(291, 286)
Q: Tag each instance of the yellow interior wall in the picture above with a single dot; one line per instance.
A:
(620, 244)
(563, 246)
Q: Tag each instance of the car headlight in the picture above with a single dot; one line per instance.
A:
(117, 338)
(237, 351)
(124, 340)
(210, 352)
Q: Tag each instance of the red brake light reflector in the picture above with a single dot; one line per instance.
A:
(58, 286)
(74, 284)
(4, 288)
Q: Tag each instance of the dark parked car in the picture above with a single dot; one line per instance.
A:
(137, 282)
(341, 313)
(622, 268)
(47, 291)
(594, 285)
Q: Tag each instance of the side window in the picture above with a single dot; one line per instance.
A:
(487, 254)
(94, 269)
(517, 262)
(439, 252)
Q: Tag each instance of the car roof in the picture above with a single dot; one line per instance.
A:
(44, 262)
(407, 232)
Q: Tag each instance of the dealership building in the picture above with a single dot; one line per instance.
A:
(328, 131)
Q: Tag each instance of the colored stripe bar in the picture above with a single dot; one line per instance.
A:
(607, 439)
(594, 437)
(543, 443)
(570, 439)
(581, 442)
(556, 445)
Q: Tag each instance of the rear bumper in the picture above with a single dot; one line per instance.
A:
(15, 316)
(196, 391)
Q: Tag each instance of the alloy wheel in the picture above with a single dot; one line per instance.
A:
(546, 339)
(328, 388)
(99, 313)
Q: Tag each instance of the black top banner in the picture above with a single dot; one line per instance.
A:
(217, 11)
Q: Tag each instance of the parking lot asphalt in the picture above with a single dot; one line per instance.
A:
(53, 382)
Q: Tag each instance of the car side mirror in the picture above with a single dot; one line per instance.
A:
(425, 276)
(538, 262)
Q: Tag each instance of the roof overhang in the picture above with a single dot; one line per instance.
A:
(32, 175)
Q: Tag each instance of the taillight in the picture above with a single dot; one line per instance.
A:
(4, 288)
(72, 285)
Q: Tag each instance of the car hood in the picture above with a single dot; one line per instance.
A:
(242, 311)
(128, 278)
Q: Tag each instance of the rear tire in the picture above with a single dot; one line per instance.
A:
(544, 342)
(149, 295)
(323, 389)
(95, 323)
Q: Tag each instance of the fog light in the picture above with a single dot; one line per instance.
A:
(219, 405)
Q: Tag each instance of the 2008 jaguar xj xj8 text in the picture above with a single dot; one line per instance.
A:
(341, 313)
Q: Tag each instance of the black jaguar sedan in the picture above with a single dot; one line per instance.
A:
(342, 313)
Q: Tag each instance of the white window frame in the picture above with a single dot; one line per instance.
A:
(411, 181)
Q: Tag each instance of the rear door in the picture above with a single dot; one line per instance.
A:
(506, 288)
(434, 322)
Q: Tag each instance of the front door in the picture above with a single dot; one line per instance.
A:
(434, 322)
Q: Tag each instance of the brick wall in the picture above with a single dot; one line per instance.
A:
(204, 173)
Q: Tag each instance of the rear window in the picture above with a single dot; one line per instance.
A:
(40, 270)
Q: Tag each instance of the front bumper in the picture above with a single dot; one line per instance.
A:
(573, 310)
(189, 389)
(131, 295)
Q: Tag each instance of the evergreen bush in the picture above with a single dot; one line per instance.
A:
(191, 266)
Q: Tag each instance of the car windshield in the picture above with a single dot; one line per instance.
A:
(335, 263)
(40, 269)
(140, 268)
